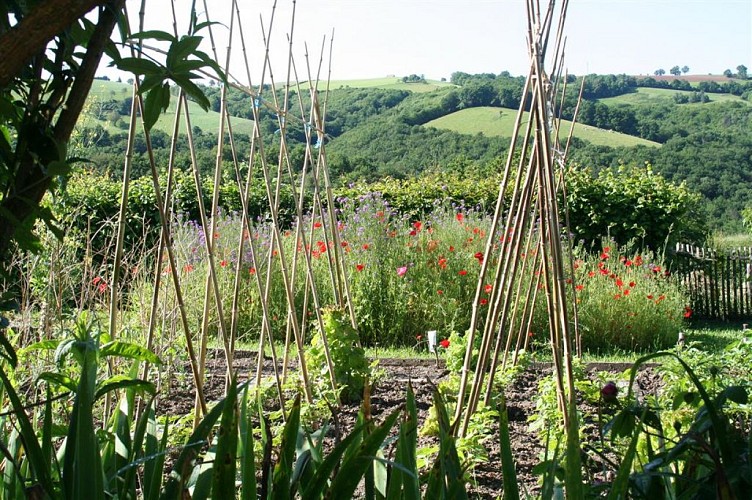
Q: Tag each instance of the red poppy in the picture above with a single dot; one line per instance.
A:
(460, 217)
(365, 246)
(650, 297)
(483, 302)
(626, 292)
(96, 280)
(627, 262)
(188, 268)
(444, 343)
(343, 244)
(442, 263)
(418, 337)
(401, 271)
(488, 288)
(579, 287)
(604, 256)
(591, 274)
(606, 249)
(252, 270)
(451, 248)
(479, 256)
(632, 284)
(619, 283)
(380, 214)
(317, 225)
(223, 263)
(462, 272)
(440, 292)
(360, 267)
(687, 312)
(413, 232)
(417, 225)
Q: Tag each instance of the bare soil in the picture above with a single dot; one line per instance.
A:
(485, 479)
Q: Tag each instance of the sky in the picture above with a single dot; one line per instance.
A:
(434, 38)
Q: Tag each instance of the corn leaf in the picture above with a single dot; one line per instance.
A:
(223, 480)
(508, 472)
(353, 469)
(284, 468)
(248, 460)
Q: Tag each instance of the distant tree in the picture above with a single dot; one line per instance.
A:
(660, 72)
(675, 71)
(741, 72)
(443, 79)
(685, 69)
(728, 73)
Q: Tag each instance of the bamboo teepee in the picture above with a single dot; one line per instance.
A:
(526, 233)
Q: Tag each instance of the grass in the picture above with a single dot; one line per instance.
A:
(103, 91)
(499, 122)
(722, 241)
(647, 96)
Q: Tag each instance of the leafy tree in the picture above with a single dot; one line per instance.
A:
(685, 69)
(49, 53)
(675, 71)
(741, 72)
(728, 73)
(660, 72)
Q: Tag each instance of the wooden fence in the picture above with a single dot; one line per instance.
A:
(719, 283)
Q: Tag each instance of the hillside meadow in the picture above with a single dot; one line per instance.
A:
(646, 96)
(499, 122)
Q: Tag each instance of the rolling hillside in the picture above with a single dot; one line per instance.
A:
(389, 83)
(499, 122)
(648, 96)
(106, 100)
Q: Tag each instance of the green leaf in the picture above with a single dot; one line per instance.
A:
(162, 36)
(181, 470)
(620, 487)
(284, 467)
(82, 466)
(192, 90)
(58, 379)
(7, 352)
(352, 470)
(316, 487)
(181, 49)
(157, 100)
(508, 472)
(138, 66)
(154, 451)
(223, 480)
(404, 481)
(248, 460)
(130, 351)
(123, 382)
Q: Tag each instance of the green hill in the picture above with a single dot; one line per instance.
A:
(499, 122)
(105, 103)
(648, 96)
(391, 83)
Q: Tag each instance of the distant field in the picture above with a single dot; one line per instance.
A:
(102, 91)
(499, 122)
(384, 83)
(645, 95)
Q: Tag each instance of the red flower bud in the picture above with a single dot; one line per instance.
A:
(609, 392)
